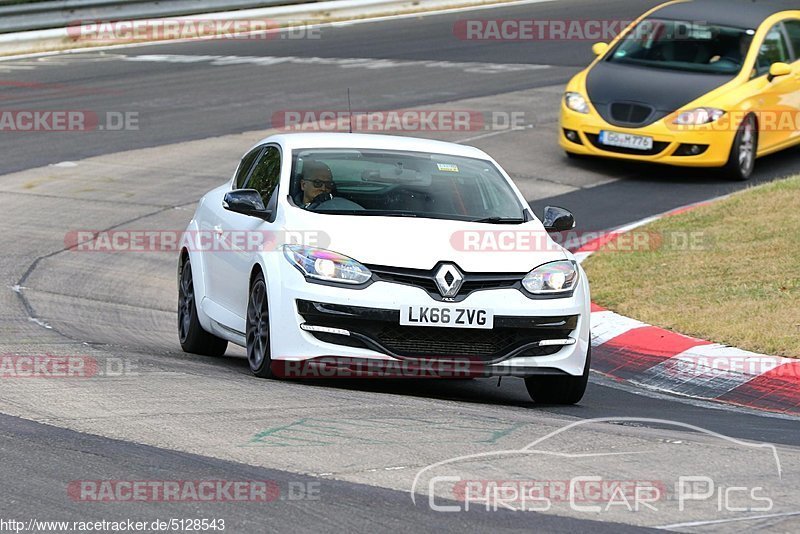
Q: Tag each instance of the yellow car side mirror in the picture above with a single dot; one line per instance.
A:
(779, 69)
(601, 48)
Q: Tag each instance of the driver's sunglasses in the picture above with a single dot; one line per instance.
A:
(319, 184)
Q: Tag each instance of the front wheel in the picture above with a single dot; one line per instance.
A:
(190, 333)
(559, 389)
(742, 159)
(257, 335)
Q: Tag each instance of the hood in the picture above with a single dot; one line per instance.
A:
(418, 243)
(631, 96)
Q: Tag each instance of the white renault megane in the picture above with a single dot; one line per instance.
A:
(349, 253)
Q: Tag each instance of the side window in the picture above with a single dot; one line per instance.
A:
(266, 174)
(793, 29)
(244, 167)
(773, 50)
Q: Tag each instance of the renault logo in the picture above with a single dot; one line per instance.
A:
(448, 279)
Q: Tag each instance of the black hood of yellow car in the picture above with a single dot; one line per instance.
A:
(635, 97)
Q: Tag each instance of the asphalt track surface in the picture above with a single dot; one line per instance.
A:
(192, 418)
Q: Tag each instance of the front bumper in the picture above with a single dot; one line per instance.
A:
(668, 141)
(371, 318)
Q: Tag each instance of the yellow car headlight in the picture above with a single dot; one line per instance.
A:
(698, 116)
(576, 102)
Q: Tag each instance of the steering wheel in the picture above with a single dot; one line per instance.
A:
(320, 199)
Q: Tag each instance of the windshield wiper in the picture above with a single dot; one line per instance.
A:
(499, 220)
(372, 213)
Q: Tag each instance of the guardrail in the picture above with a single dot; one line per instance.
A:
(16, 17)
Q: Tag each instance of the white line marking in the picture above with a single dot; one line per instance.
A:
(607, 325)
(720, 521)
(492, 134)
(11, 68)
(40, 323)
(345, 63)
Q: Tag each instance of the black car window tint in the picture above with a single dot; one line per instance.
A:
(266, 173)
(773, 50)
(245, 165)
(793, 29)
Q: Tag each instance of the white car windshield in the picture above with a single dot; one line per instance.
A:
(402, 184)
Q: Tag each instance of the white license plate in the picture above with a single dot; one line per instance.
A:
(450, 317)
(623, 140)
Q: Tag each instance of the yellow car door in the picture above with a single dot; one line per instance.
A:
(793, 33)
(778, 101)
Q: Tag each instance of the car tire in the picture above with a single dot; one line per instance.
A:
(742, 159)
(191, 335)
(257, 333)
(547, 389)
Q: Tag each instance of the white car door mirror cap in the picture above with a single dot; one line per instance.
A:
(246, 202)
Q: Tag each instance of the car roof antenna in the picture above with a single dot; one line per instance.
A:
(349, 111)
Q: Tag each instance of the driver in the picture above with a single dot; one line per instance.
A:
(316, 184)
(735, 55)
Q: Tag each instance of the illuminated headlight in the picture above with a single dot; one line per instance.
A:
(696, 117)
(576, 102)
(551, 278)
(321, 264)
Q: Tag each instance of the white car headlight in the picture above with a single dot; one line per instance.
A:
(696, 117)
(552, 278)
(576, 102)
(321, 264)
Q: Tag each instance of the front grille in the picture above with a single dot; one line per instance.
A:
(424, 279)
(380, 330)
(630, 114)
(432, 342)
(658, 147)
(412, 340)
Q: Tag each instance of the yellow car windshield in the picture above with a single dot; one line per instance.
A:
(684, 46)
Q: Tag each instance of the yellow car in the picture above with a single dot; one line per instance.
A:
(673, 90)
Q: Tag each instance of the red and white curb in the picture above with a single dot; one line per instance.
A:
(662, 360)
